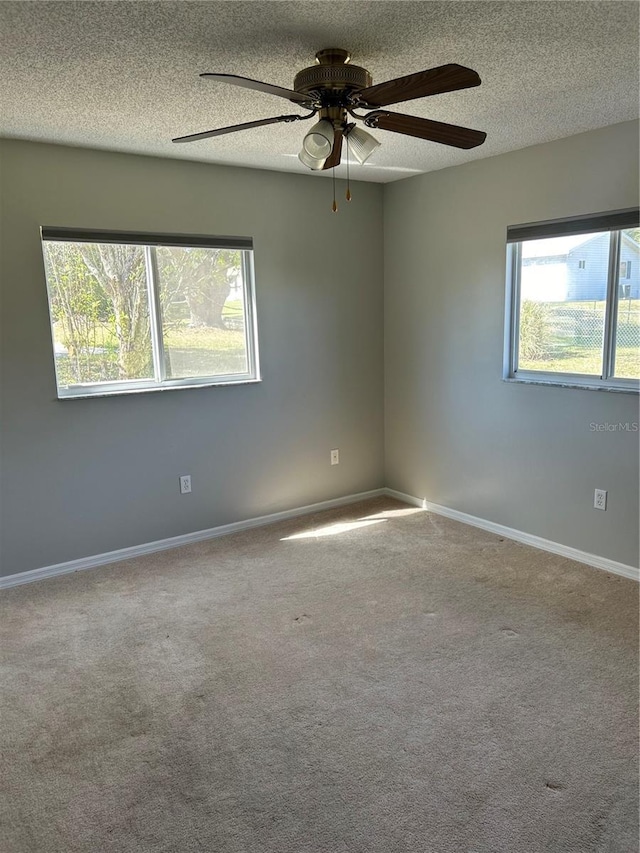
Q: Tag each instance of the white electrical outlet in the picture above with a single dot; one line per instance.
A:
(185, 484)
(335, 457)
(600, 499)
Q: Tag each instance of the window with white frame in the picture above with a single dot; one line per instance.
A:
(573, 301)
(140, 312)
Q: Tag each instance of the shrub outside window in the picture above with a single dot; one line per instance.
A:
(141, 312)
(573, 302)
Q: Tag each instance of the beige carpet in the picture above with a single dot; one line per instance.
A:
(409, 684)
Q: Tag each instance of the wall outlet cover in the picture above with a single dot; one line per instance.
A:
(600, 499)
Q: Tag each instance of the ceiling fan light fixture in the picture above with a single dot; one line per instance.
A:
(311, 162)
(333, 88)
(361, 144)
(318, 143)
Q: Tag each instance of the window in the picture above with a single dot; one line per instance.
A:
(140, 312)
(573, 301)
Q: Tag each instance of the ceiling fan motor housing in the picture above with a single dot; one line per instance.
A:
(332, 75)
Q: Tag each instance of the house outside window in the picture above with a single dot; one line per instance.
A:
(142, 312)
(573, 302)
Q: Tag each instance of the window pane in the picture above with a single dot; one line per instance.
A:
(99, 312)
(627, 365)
(563, 292)
(202, 298)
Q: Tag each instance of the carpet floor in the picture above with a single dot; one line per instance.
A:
(371, 679)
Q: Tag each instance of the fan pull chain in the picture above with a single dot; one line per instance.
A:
(348, 196)
(334, 206)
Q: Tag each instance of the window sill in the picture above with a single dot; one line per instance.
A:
(567, 383)
(126, 392)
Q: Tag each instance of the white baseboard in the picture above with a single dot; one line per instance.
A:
(594, 560)
(200, 535)
(175, 541)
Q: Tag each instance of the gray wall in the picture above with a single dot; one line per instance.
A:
(455, 433)
(81, 477)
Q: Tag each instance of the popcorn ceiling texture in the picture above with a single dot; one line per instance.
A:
(124, 75)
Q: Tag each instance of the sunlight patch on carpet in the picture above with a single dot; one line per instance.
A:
(393, 513)
(333, 529)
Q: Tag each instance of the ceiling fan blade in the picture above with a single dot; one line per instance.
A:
(336, 152)
(424, 128)
(257, 85)
(444, 78)
(207, 134)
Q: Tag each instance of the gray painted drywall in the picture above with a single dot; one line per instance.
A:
(455, 433)
(82, 477)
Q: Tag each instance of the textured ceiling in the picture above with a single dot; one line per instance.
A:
(124, 75)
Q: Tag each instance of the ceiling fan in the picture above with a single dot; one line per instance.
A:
(333, 89)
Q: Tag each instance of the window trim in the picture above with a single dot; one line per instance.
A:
(148, 241)
(613, 221)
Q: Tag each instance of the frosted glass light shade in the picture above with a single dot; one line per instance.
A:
(318, 143)
(311, 162)
(362, 144)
